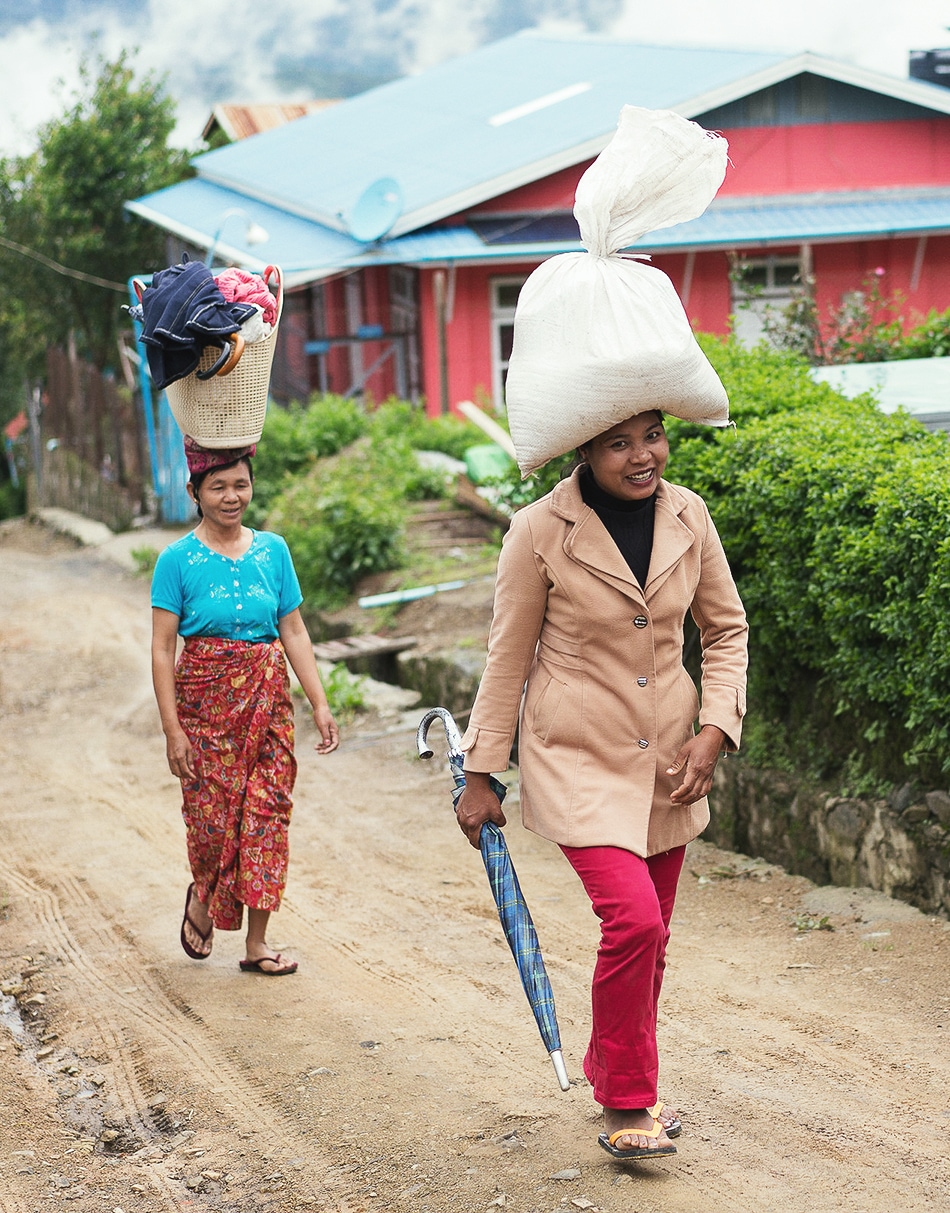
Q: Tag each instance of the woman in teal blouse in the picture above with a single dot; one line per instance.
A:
(226, 711)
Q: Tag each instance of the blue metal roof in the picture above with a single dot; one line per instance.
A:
(476, 126)
(484, 124)
(193, 210)
(308, 251)
(736, 222)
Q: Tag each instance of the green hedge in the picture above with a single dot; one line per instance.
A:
(835, 518)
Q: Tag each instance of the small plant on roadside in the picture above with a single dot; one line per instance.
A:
(345, 692)
(144, 558)
(12, 500)
(808, 922)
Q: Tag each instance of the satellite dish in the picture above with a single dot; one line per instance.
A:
(376, 210)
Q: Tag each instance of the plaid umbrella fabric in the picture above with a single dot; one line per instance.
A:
(512, 909)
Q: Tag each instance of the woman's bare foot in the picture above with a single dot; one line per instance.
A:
(616, 1119)
(667, 1116)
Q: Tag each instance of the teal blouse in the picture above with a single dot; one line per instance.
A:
(213, 595)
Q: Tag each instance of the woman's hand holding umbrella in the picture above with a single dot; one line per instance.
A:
(478, 804)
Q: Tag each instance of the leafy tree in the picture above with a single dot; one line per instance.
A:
(64, 204)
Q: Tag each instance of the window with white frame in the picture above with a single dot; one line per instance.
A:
(504, 299)
(758, 285)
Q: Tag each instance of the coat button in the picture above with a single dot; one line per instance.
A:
(641, 682)
(641, 621)
(643, 743)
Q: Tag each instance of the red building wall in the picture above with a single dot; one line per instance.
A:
(468, 333)
(837, 156)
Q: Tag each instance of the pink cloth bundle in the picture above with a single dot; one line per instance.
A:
(241, 286)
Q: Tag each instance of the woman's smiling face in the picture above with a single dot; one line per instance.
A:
(627, 460)
(224, 494)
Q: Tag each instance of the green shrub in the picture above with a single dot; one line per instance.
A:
(399, 419)
(294, 439)
(345, 692)
(930, 338)
(297, 436)
(343, 520)
(834, 517)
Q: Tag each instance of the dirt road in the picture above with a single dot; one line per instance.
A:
(400, 1068)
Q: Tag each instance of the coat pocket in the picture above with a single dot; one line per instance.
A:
(541, 709)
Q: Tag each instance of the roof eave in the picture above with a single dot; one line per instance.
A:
(916, 92)
(195, 237)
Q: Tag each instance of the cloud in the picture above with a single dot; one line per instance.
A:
(33, 60)
(877, 34)
(242, 50)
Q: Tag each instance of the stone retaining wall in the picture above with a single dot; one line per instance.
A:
(900, 846)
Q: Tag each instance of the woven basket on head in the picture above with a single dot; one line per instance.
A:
(228, 410)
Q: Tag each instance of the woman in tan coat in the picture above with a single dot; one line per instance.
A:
(594, 583)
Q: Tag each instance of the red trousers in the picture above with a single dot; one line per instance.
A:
(633, 898)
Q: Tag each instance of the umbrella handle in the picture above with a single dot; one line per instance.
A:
(452, 734)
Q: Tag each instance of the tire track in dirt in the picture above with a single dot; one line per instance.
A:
(121, 1018)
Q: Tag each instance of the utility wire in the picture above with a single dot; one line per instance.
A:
(62, 269)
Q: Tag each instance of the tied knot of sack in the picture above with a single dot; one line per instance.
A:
(600, 336)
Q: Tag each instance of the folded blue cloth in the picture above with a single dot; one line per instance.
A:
(181, 312)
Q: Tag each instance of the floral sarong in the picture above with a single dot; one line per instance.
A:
(234, 705)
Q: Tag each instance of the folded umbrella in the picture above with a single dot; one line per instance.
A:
(512, 909)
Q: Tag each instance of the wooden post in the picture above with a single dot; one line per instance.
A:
(440, 300)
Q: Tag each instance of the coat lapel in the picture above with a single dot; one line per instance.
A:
(589, 544)
(672, 538)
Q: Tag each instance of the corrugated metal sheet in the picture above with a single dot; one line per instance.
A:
(193, 210)
(919, 386)
(734, 223)
(240, 121)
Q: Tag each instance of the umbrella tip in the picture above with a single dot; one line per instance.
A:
(560, 1069)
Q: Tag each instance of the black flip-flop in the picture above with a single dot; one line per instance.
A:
(204, 936)
(254, 966)
(638, 1153)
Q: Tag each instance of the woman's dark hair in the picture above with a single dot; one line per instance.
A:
(197, 479)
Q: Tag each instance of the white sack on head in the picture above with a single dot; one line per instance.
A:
(600, 336)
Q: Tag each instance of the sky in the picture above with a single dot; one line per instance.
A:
(242, 50)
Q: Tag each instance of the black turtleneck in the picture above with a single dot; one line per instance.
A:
(629, 523)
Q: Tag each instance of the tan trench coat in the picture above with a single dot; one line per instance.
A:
(608, 702)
